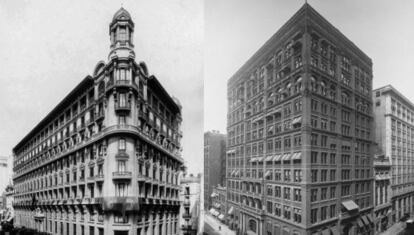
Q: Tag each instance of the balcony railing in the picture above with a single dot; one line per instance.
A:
(123, 107)
(99, 178)
(122, 175)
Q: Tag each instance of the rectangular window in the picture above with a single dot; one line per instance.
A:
(121, 190)
(122, 144)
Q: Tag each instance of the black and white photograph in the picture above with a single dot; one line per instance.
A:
(206, 117)
(101, 129)
(313, 102)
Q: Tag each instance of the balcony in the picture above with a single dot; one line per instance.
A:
(186, 215)
(121, 84)
(99, 116)
(142, 178)
(124, 175)
(99, 178)
(124, 108)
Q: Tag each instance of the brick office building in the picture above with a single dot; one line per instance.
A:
(299, 144)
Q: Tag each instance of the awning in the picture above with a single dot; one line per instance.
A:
(369, 217)
(237, 173)
(232, 173)
(231, 151)
(297, 120)
(211, 210)
(270, 128)
(277, 157)
(268, 172)
(260, 159)
(326, 232)
(218, 205)
(360, 224)
(253, 159)
(334, 231)
(268, 158)
(297, 156)
(221, 217)
(364, 218)
(213, 195)
(230, 211)
(286, 156)
(350, 205)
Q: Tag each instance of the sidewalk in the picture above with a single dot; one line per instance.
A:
(211, 226)
(395, 229)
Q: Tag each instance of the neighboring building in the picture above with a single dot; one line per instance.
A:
(190, 208)
(382, 193)
(394, 133)
(5, 172)
(214, 163)
(106, 159)
(8, 198)
(219, 202)
(299, 144)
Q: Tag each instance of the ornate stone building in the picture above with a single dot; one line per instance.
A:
(382, 193)
(106, 159)
(299, 143)
(394, 133)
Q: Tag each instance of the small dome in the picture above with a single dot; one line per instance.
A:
(121, 14)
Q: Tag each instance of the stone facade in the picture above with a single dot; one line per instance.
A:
(394, 133)
(106, 159)
(299, 144)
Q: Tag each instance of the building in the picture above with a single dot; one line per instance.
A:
(219, 202)
(214, 163)
(299, 143)
(394, 119)
(5, 171)
(382, 193)
(190, 209)
(106, 159)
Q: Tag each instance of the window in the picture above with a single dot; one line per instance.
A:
(324, 212)
(122, 100)
(121, 189)
(252, 225)
(120, 219)
(122, 144)
(122, 120)
(333, 192)
(314, 175)
(297, 195)
(314, 195)
(314, 215)
(297, 215)
(121, 166)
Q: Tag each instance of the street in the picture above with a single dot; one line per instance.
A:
(211, 226)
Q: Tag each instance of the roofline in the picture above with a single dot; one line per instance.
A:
(390, 88)
(88, 79)
(261, 52)
(165, 93)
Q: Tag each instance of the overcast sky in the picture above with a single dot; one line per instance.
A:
(236, 29)
(48, 47)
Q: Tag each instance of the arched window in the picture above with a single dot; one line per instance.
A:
(298, 85)
(253, 225)
(323, 88)
(313, 84)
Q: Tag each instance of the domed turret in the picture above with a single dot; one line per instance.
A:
(121, 14)
(121, 31)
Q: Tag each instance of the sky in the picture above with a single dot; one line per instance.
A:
(236, 29)
(47, 47)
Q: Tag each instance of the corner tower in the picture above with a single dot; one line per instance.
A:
(121, 31)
